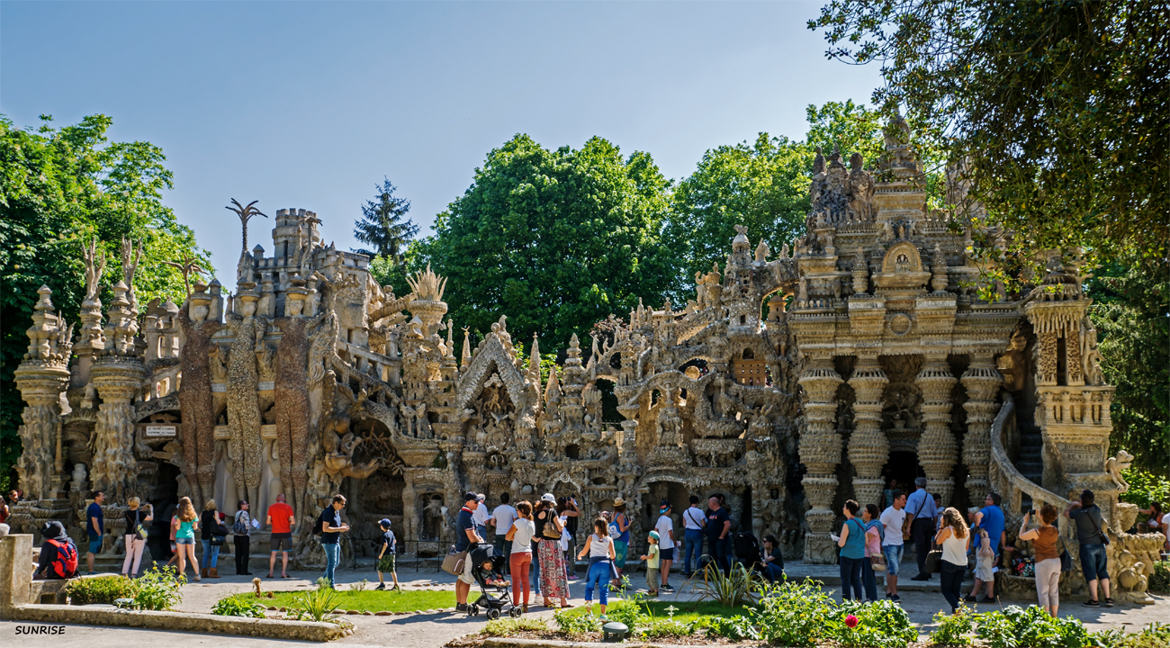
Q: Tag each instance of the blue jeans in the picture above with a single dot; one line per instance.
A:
(210, 554)
(718, 550)
(332, 556)
(598, 576)
(1093, 562)
(694, 546)
(774, 571)
(535, 574)
(869, 580)
(851, 578)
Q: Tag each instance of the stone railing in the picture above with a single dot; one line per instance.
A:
(1005, 478)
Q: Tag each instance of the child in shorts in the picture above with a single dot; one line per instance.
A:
(387, 557)
(652, 564)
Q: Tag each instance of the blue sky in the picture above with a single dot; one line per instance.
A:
(309, 105)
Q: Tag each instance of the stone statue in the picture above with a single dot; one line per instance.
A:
(1115, 466)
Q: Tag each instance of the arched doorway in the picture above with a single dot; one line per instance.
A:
(377, 496)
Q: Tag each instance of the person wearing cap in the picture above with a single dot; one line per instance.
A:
(666, 542)
(621, 541)
(387, 555)
(481, 514)
(466, 538)
(242, 537)
(653, 562)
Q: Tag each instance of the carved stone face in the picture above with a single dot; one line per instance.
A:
(294, 307)
(247, 307)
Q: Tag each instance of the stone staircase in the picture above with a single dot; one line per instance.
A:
(1030, 459)
(1021, 490)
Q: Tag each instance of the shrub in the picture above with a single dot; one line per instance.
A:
(1032, 627)
(882, 624)
(317, 604)
(735, 628)
(1155, 635)
(241, 606)
(101, 589)
(732, 589)
(576, 625)
(953, 629)
(1145, 488)
(792, 613)
(665, 628)
(507, 627)
(159, 589)
(1160, 579)
(628, 612)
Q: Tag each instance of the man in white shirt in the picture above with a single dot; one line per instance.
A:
(501, 519)
(693, 521)
(665, 528)
(481, 516)
(893, 520)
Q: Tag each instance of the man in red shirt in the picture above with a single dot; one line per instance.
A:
(281, 519)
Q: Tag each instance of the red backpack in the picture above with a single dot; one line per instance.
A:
(65, 563)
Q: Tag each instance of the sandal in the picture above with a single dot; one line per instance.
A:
(1108, 602)
(566, 605)
(285, 576)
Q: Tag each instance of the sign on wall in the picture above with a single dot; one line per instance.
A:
(157, 431)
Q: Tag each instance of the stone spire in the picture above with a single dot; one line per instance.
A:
(465, 360)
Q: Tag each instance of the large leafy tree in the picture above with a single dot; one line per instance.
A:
(1130, 311)
(1058, 107)
(384, 226)
(58, 188)
(557, 240)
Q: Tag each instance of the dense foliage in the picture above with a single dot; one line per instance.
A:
(1131, 311)
(58, 188)
(100, 589)
(554, 239)
(1059, 107)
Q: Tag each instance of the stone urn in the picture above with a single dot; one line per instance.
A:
(1126, 516)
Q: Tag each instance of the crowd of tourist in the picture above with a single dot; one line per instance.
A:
(539, 543)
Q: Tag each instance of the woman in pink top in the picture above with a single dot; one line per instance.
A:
(870, 517)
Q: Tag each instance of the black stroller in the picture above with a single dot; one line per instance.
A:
(495, 596)
(749, 552)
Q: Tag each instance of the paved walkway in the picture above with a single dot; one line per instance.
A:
(432, 630)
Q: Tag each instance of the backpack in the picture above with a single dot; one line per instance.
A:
(239, 527)
(64, 564)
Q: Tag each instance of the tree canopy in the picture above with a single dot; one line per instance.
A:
(58, 188)
(554, 239)
(384, 226)
(1059, 108)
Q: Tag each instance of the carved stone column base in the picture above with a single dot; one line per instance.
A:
(868, 491)
(819, 549)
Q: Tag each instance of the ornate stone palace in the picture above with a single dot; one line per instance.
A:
(792, 381)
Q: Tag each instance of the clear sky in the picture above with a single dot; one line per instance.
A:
(309, 105)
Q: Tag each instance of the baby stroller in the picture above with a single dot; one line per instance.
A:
(495, 595)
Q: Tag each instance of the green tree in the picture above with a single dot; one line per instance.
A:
(59, 187)
(762, 185)
(1131, 311)
(384, 227)
(555, 239)
(1059, 108)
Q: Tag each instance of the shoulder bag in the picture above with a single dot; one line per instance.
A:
(1066, 563)
(549, 530)
(138, 528)
(453, 561)
(877, 561)
(1104, 538)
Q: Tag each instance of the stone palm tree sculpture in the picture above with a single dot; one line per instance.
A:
(245, 212)
(187, 265)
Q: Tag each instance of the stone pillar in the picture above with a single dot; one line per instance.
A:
(42, 376)
(936, 447)
(820, 452)
(114, 468)
(982, 381)
(868, 447)
(15, 573)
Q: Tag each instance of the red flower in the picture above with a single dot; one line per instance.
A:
(851, 621)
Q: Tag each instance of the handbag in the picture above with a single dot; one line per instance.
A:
(1066, 563)
(138, 528)
(453, 561)
(1104, 538)
(933, 561)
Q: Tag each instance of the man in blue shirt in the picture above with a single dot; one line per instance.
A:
(990, 518)
(466, 537)
(922, 512)
(95, 527)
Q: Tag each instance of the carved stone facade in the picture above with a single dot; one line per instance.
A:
(861, 353)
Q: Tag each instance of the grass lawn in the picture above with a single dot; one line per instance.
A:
(685, 611)
(371, 600)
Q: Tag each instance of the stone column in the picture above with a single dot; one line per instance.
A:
(868, 447)
(936, 447)
(40, 386)
(820, 452)
(982, 381)
(42, 376)
(114, 468)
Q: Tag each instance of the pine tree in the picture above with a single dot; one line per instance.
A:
(384, 227)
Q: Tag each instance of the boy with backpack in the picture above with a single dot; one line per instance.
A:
(387, 556)
(58, 559)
